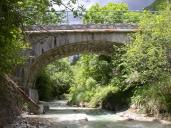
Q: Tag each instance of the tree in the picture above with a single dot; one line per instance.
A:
(11, 39)
(111, 13)
(145, 58)
(91, 72)
(146, 64)
(61, 76)
(96, 66)
(38, 12)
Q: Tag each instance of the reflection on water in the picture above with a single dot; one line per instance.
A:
(64, 116)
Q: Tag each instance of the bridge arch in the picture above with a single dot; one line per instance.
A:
(65, 51)
(54, 43)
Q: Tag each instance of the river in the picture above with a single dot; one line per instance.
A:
(60, 115)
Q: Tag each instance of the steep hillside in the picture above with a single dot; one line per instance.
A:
(159, 5)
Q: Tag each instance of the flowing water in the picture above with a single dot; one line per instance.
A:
(62, 116)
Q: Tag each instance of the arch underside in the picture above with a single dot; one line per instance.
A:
(51, 55)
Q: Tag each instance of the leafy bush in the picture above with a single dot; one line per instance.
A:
(144, 59)
(55, 80)
(100, 94)
(132, 17)
(82, 93)
(44, 86)
(154, 98)
(61, 76)
(90, 72)
(146, 64)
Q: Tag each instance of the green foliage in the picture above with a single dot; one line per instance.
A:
(111, 13)
(61, 75)
(82, 93)
(100, 94)
(39, 12)
(145, 58)
(132, 17)
(154, 98)
(44, 86)
(145, 64)
(90, 73)
(118, 69)
(55, 80)
(97, 67)
(11, 40)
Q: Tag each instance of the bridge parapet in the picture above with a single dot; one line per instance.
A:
(117, 26)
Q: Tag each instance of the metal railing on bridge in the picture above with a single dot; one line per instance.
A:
(85, 17)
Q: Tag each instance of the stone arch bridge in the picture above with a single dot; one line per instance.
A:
(48, 43)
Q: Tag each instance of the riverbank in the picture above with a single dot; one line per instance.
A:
(132, 114)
